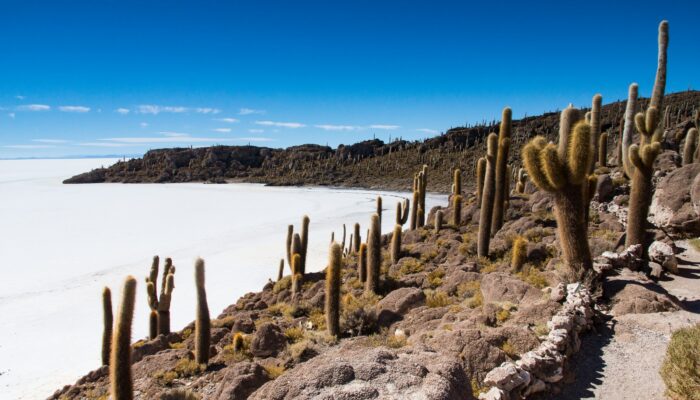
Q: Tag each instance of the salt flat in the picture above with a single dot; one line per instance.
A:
(61, 244)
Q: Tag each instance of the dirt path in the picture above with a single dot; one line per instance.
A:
(622, 359)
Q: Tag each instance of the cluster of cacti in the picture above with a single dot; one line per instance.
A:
(121, 384)
(501, 188)
(333, 290)
(374, 255)
(420, 182)
(519, 254)
(396, 244)
(563, 171)
(402, 211)
(438, 220)
(480, 176)
(107, 325)
(159, 317)
(487, 197)
(521, 181)
(202, 323)
(642, 156)
(690, 147)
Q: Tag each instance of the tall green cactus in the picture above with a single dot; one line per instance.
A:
(690, 146)
(642, 156)
(297, 277)
(107, 319)
(501, 191)
(628, 130)
(280, 271)
(480, 176)
(159, 317)
(457, 182)
(304, 242)
(487, 197)
(402, 211)
(457, 211)
(121, 383)
(603, 149)
(396, 244)
(597, 104)
(415, 204)
(202, 324)
(374, 255)
(657, 95)
(358, 239)
(563, 171)
(362, 263)
(290, 238)
(379, 209)
(333, 290)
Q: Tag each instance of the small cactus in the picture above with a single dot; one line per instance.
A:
(202, 325)
(519, 254)
(333, 290)
(690, 146)
(153, 324)
(522, 180)
(297, 277)
(396, 244)
(374, 255)
(304, 242)
(501, 189)
(457, 211)
(290, 238)
(357, 237)
(107, 324)
(487, 197)
(402, 212)
(280, 272)
(237, 342)
(438, 221)
(121, 383)
(480, 176)
(362, 263)
(603, 149)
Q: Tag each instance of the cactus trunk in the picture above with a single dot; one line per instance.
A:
(501, 191)
(107, 325)
(333, 290)
(396, 244)
(487, 198)
(121, 383)
(374, 255)
(202, 325)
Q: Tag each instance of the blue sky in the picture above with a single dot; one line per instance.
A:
(121, 77)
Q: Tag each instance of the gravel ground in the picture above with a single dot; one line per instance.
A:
(622, 359)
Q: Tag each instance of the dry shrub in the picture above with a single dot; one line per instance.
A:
(681, 367)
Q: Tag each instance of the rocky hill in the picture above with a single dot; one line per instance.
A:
(369, 164)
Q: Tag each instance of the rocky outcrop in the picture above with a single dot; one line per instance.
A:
(671, 207)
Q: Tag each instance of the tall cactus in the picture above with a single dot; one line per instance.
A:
(402, 211)
(595, 127)
(362, 263)
(333, 290)
(563, 171)
(487, 197)
(304, 242)
(480, 176)
(202, 324)
(107, 319)
(501, 191)
(159, 317)
(164, 304)
(438, 221)
(415, 204)
(457, 211)
(396, 244)
(628, 131)
(457, 182)
(290, 238)
(642, 156)
(297, 277)
(358, 239)
(121, 383)
(374, 255)
(691, 143)
(280, 271)
(657, 95)
(603, 149)
(379, 209)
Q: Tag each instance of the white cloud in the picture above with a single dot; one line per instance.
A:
(29, 146)
(327, 127)
(155, 110)
(103, 144)
(292, 125)
(256, 130)
(34, 107)
(207, 110)
(54, 141)
(385, 127)
(143, 124)
(174, 134)
(76, 109)
(227, 120)
(427, 130)
(167, 139)
(11, 115)
(222, 130)
(20, 97)
(256, 139)
(248, 111)
(122, 110)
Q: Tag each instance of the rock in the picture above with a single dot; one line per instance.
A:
(558, 293)
(240, 381)
(695, 195)
(397, 303)
(507, 377)
(267, 341)
(494, 394)
(497, 287)
(604, 188)
(671, 206)
(656, 270)
(631, 294)
(663, 254)
(358, 372)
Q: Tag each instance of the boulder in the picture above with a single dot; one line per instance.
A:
(397, 303)
(497, 287)
(240, 381)
(632, 294)
(663, 254)
(267, 341)
(671, 206)
(695, 194)
(604, 188)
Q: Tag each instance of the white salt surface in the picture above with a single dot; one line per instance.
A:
(61, 244)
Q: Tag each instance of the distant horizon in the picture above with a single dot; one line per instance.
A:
(88, 77)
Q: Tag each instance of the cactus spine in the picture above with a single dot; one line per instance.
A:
(690, 146)
(595, 127)
(358, 239)
(487, 197)
(202, 324)
(333, 290)
(438, 221)
(396, 244)
(374, 255)
(304, 242)
(563, 171)
(480, 176)
(107, 318)
(519, 254)
(501, 192)
(121, 384)
(457, 211)
(603, 149)
(362, 263)
(628, 131)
